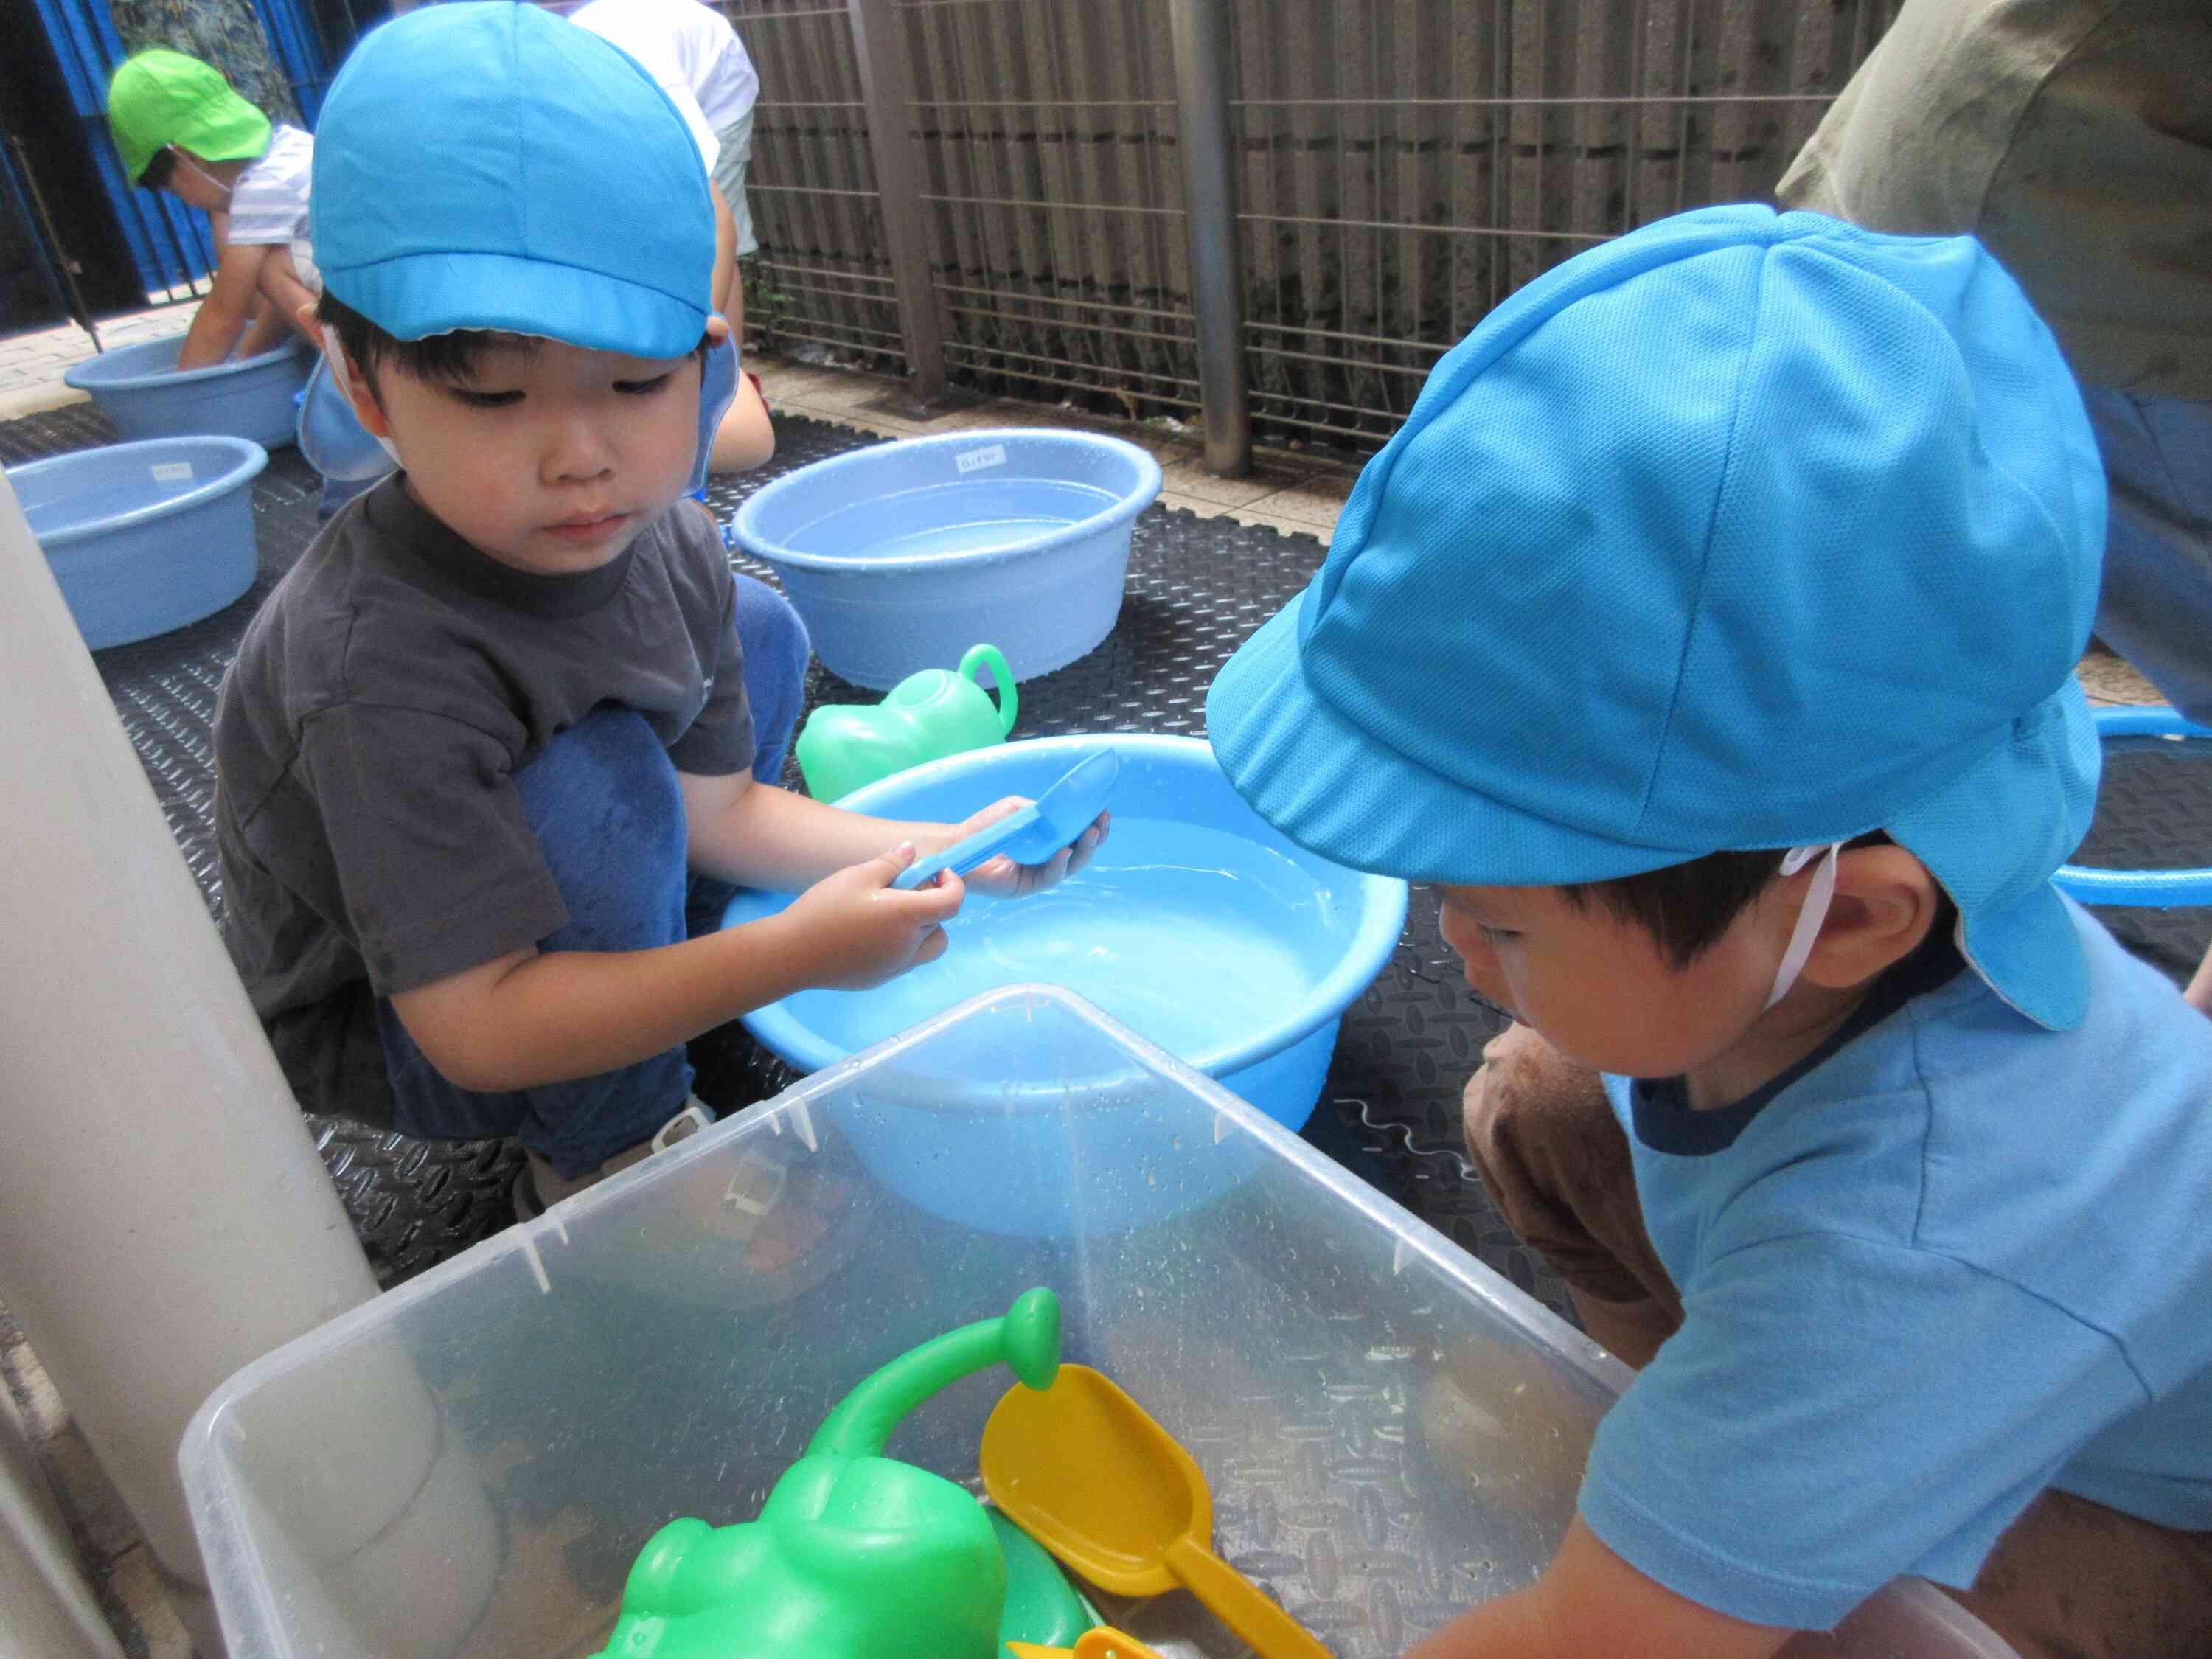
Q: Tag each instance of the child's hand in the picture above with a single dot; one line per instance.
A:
(1003, 879)
(856, 930)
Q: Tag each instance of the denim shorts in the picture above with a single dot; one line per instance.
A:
(604, 803)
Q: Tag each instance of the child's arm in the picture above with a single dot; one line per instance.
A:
(223, 315)
(1589, 1603)
(267, 328)
(759, 836)
(288, 297)
(526, 1018)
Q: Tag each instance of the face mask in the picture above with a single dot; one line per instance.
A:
(1815, 911)
(184, 161)
(334, 357)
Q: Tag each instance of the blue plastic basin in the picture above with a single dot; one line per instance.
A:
(140, 389)
(2157, 888)
(1198, 925)
(147, 537)
(901, 556)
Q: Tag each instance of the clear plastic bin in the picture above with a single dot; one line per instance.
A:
(469, 1465)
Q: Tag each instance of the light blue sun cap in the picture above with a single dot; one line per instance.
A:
(1742, 530)
(490, 166)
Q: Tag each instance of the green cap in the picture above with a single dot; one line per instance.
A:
(159, 98)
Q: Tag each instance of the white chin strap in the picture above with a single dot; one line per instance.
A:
(334, 354)
(183, 160)
(1815, 911)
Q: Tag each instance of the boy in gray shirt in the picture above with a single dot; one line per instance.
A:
(480, 735)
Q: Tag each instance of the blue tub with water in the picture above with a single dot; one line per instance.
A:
(1198, 925)
(145, 537)
(902, 556)
(140, 389)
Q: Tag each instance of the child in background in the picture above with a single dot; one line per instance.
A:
(695, 55)
(690, 44)
(1708, 633)
(476, 739)
(178, 126)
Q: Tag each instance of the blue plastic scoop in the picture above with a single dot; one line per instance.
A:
(1053, 820)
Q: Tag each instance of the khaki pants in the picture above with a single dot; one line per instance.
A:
(2070, 1580)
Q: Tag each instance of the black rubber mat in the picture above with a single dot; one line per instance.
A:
(1196, 589)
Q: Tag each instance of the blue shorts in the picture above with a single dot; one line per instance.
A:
(634, 896)
(731, 162)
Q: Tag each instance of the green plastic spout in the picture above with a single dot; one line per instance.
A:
(1025, 1339)
(856, 1555)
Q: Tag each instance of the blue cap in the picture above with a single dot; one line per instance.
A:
(1743, 531)
(491, 165)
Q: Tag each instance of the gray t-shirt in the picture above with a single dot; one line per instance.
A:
(371, 836)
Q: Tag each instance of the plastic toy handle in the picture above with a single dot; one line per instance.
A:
(1010, 702)
(1103, 1643)
(1240, 1604)
(969, 852)
(1027, 1338)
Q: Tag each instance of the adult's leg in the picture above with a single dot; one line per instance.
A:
(1556, 1163)
(2156, 606)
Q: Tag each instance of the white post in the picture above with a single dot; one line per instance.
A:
(164, 1219)
(47, 1609)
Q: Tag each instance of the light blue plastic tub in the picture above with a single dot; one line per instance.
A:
(2157, 888)
(901, 556)
(147, 537)
(1199, 926)
(140, 389)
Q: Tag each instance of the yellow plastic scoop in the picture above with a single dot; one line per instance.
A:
(1100, 1644)
(1094, 1480)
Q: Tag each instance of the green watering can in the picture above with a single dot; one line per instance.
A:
(926, 717)
(856, 1555)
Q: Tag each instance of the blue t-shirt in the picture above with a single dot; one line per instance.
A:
(1951, 1261)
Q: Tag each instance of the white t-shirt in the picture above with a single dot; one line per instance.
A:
(690, 50)
(269, 202)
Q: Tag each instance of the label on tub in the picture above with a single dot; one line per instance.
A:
(171, 471)
(976, 460)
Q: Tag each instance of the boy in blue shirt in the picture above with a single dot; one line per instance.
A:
(478, 735)
(1707, 633)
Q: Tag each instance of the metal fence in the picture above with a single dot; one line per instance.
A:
(1399, 167)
